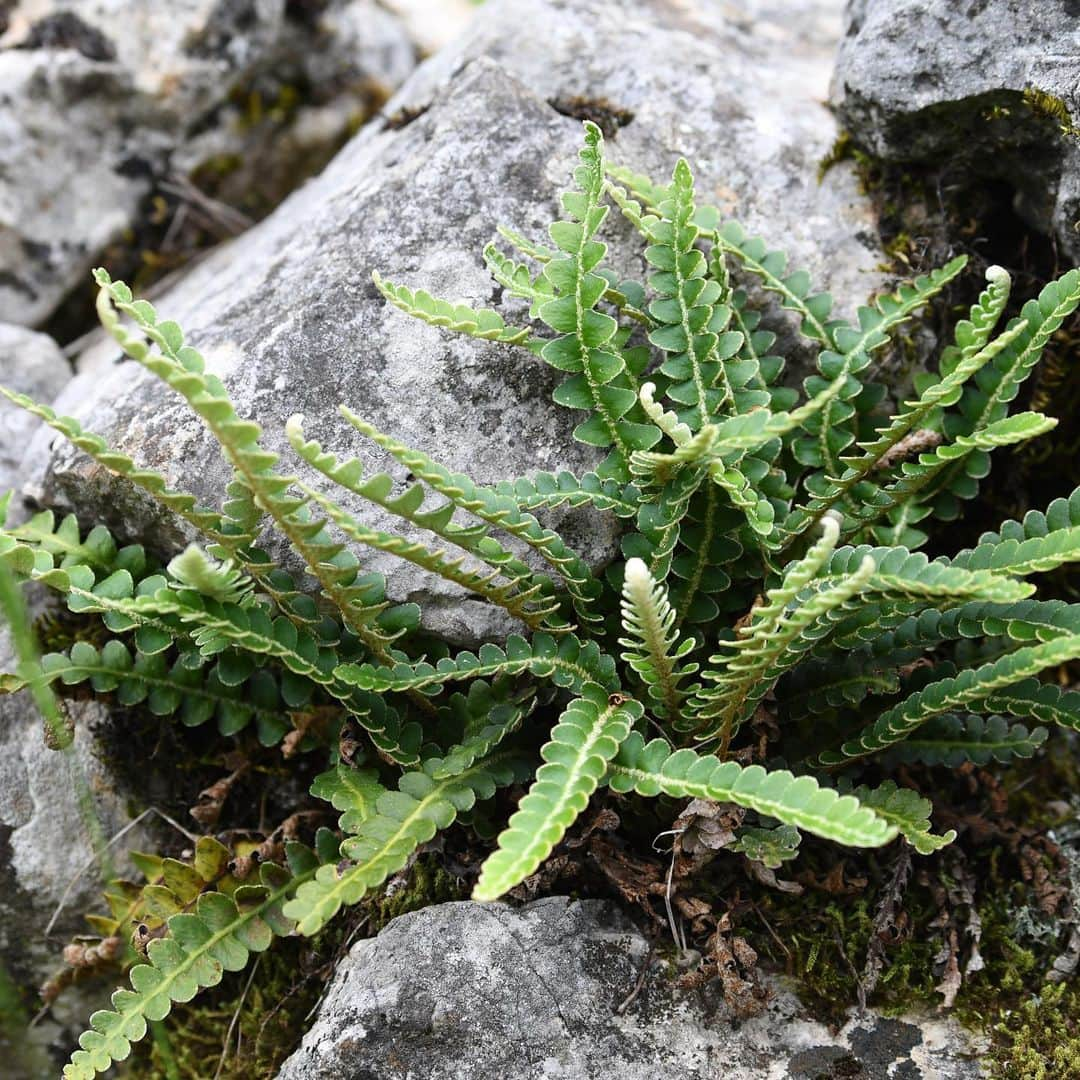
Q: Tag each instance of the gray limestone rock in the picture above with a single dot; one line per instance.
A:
(103, 100)
(31, 364)
(47, 865)
(287, 313)
(940, 82)
(463, 990)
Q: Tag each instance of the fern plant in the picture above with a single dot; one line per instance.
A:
(769, 567)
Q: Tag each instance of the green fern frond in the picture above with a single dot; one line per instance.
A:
(770, 847)
(953, 740)
(988, 400)
(897, 499)
(567, 661)
(769, 647)
(1041, 542)
(213, 626)
(976, 689)
(184, 505)
(520, 595)
(830, 430)
(400, 821)
(692, 326)
(231, 690)
(908, 811)
(485, 323)
(499, 510)
(586, 348)
(653, 768)
(216, 935)
(503, 719)
(549, 491)
(355, 792)
(68, 547)
(182, 368)
(935, 395)
(585, 739)
(1022, 622)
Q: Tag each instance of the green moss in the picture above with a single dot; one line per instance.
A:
(1041, 1039)
(827, 940)
(428, 883)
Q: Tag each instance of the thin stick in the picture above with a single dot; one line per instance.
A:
(235, 1019)
(676, 933)
(632, 996)
(768, 926)
(93, 858)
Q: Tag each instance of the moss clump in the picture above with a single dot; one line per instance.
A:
(827, 939)
(428, 882)
(1041, 1039)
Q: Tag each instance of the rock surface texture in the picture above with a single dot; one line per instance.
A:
(47, 860)
(461, 990)
(480, 135)
(102, 101)
(32, 364)
(944, 83)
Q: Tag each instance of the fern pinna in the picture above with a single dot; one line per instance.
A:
(768, 562)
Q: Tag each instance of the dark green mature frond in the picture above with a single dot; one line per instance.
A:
(1041, 542)
(954, 740)
(977, 689)
(213, 626)
(230, 690)
(586, 348)
(692, 326)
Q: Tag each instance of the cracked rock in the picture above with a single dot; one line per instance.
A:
(46, 859)
(986, 90)
(463, 990)
(288, 316)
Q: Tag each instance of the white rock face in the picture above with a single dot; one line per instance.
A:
(463, 990)
(288, 316)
